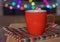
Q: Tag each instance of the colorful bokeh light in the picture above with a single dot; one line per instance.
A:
(19, 2)
(18, 6)
(21, 8)
(54, 6)
(30, 1)
(48, 6)
(45, 1)
(57, 4)
(6, 5)
(33, 3)
(13, 3)
(33, 7)
(25, 5)
(11, 7)
(39, 9)
(28, 6)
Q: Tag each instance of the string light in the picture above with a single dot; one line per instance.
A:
(11, 7)
(16, 3)
(13, 3)
(33, 3)
(48, 6)
(28, 6)
(56, 4)
(21, 8)
(25, 5)
(33, 7)
(19, 2)
(6, 5)
(45, 1)
(18, 6)
(53, 6)
(30, 1)
(39, 9)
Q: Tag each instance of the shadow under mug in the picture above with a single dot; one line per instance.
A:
(36, 21)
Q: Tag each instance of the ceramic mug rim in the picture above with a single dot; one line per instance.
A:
(35, 11)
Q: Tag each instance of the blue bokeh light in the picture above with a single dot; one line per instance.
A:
(57, 4)
(28, 7)
(48, 6)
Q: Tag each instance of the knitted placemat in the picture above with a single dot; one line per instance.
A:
(23, 35)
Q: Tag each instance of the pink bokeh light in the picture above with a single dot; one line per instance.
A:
(11, 7)
(45, 1)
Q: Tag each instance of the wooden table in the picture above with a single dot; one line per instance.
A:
(11, 38)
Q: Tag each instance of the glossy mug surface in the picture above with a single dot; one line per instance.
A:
(36, 21)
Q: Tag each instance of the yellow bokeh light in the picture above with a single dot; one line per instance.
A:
(25, 5)
(30, 1)
(53, 6)
(33, 3)
(6, 5)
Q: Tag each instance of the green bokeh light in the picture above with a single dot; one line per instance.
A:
(33, 7)
(13, 3)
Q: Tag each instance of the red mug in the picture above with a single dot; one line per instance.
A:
(36, 21)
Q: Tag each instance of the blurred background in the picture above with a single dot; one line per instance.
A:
(12, 11)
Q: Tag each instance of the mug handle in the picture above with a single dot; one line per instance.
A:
(53, 22)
